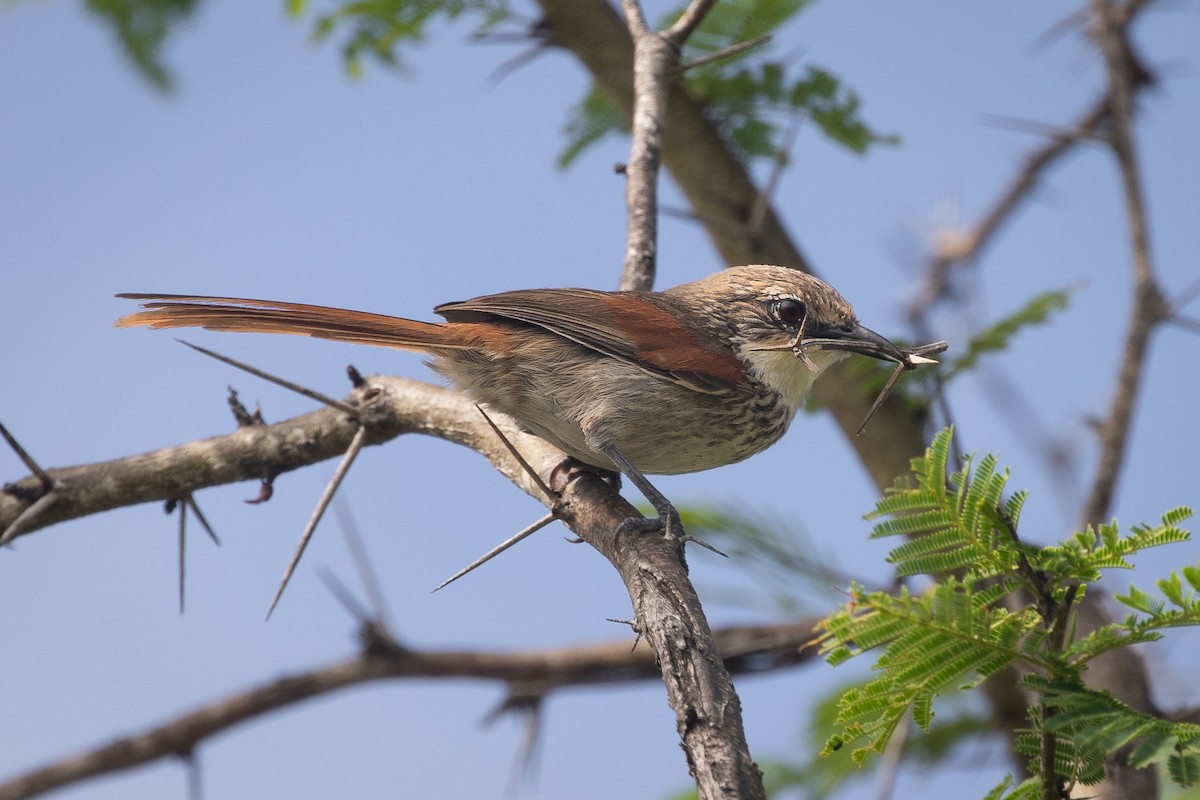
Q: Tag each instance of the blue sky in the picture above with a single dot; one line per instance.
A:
(269, 173)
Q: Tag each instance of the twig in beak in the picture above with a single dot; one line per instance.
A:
(913, 358)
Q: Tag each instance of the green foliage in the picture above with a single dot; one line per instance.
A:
(975, 620)
(751, 100)
(997, 336)
(143, 26)
(590, 121)
(1098, 723)
(793, 571)
(377, 28)
(1028, 790)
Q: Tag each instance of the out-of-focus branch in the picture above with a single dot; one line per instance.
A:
(1125, 75)
(953, 248)
(746, 649)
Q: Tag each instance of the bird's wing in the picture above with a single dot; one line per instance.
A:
(636, 327)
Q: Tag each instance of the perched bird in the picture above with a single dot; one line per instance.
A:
(687, 379)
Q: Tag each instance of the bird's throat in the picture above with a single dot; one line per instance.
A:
(786, 374)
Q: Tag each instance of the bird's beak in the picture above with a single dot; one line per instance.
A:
(867, 342)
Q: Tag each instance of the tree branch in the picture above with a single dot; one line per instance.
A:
(669, 614)
(747, 649)
(1150, 309)
(656, 60)
(389, 406)
(960, 247)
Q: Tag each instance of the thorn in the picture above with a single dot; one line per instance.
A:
(703, 544)
(195, 778)
(632, 623)
(550, 494)
(295, 387)
(498, 549)
(28, 516)
(362, 564)
(356, 445)
(343, 596)
(182, 558)
(41, 474)
(525, 762)
(1187, 323)
(190, 500)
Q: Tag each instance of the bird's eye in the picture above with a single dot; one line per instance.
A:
(791, 312)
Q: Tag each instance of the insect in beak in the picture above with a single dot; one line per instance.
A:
(865, 341)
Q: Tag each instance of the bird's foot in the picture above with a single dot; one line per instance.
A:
(667, 522)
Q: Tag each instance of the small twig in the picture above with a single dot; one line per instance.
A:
(728, 52)
(356, 445)
(708, 221)
(538, 32)
(635, 19)
(688, 21)
(524, 533)
(883, 394)
(295, 387)
(762, 199)
(240, 414)
(916, 356)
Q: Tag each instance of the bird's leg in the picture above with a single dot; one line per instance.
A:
(668, 518)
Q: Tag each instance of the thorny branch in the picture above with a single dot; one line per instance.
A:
(389, 407)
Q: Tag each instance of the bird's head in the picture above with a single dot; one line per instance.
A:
(788, 326)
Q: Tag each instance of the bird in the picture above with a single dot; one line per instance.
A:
(691, 378)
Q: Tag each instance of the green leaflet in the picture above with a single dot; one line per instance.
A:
(971, 623)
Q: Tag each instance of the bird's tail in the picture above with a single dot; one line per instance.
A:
(266, 316)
